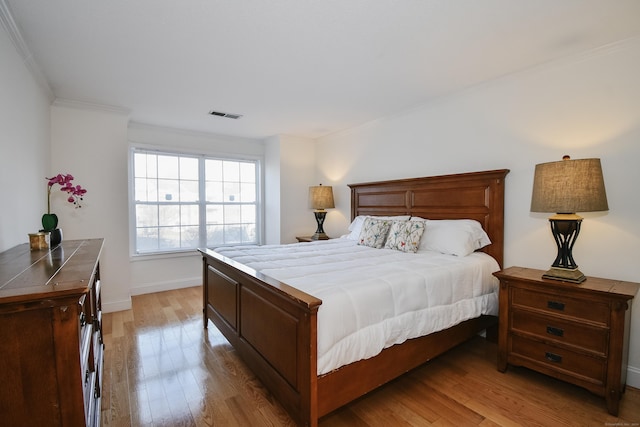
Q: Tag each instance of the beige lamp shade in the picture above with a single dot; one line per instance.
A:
(321, 197)
(569, 186)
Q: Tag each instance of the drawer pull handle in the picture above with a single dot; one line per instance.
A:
(83, 320)
(555, 331)
(555, 305)
(552, 357)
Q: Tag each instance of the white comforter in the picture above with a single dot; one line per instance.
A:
(375, 298)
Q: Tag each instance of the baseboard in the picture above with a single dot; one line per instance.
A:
(150, 288)
(112, 307)
(633, 377)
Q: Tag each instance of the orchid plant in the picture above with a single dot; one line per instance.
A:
(76, 193)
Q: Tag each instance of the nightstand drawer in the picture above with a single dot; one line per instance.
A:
(559, 359)
(562, 305)
(547, 328)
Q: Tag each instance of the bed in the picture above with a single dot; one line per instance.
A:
(274, 325)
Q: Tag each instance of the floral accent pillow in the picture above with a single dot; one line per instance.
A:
(405, 235)
(356, 225)
(374, 232)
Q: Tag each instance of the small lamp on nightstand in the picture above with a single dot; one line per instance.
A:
(567, 187)
(320, 198)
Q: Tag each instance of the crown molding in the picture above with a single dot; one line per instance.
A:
(85, 105)
(606, 49)
(9, 24)
(135, 125)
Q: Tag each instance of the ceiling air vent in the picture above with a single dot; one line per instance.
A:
(227, 115)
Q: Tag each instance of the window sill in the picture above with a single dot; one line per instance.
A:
(163, 255)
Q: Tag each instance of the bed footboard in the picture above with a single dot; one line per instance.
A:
(272, 326)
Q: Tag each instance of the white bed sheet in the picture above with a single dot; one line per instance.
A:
(375, 298)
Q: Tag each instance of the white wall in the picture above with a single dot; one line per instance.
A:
(291, 169)
(584, 106)
(297, 173)
(272, 187)
(24, 148)
(90, 142)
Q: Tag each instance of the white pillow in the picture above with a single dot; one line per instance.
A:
(405, 236)
(374, 232)
(458, 237)
(356, 225)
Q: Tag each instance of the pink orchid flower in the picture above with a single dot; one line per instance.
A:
(66, 183)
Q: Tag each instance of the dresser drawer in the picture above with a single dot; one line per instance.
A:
(88, 369)
(88, 392)
(552, 328)
(85, 330)
(97, 322)
(561, 360)
(586, 309)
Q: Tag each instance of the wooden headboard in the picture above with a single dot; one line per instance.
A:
(474, 195)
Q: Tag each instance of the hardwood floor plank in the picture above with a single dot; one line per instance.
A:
(492, 415)
(410, 396)
(119, 410)
(375, 409)
(162, 368)
(344, 417)
(450, 409)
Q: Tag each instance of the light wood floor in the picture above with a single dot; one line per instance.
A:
(163, 369)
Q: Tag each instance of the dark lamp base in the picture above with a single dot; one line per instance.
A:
(320, 234)
(572, 275)
(565, 229)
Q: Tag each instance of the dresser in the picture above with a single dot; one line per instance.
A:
(577, 333)
(51, 349)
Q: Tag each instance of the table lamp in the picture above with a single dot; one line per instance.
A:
(320, 198)
(567, 187)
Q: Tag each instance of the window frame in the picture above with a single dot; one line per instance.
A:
(202, 155)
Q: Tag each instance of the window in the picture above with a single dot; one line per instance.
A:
(185, 201)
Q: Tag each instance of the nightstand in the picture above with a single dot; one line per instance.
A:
(577, 333)
(308, 239)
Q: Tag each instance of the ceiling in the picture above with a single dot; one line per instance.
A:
(305, 68)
